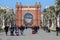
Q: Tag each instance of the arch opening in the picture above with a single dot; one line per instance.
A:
(28, 19)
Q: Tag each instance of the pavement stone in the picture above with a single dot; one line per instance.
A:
(41, 35)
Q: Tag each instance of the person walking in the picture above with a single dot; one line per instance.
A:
(17, 31)
(33, 30)
(57, 30)
(22, 29)
(11, 31)
(6, 29)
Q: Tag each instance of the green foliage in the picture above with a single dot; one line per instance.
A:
(58, 2)
(53, 30)
(8, 16)
(1, 30)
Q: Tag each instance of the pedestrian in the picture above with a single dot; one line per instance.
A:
(12, 31)
(33, 30)
(57, 30)
(17, 31)
(46, 28)
(6, 29)
(22, 29)
(36, 29)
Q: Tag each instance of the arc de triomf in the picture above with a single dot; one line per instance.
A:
(28, 15)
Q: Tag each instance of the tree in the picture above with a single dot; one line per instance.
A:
(10, 16)
(6, 16)
(50, 15)
(47, 17)
(58, 2)
(2, 12)
(57, 8)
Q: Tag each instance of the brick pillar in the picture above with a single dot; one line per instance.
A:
(38, 6)
(16, 18)
(17, 15)
(36, 19)
(20, 15)
(22, 20)
(39, 17)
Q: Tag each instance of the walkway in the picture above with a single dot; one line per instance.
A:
(42, 35)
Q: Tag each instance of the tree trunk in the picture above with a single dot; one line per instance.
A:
(3, 25)
(58, 20)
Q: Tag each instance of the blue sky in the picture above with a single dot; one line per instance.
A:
(11, 3)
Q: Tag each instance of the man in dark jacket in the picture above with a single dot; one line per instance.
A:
(12, 31)
(22, 29)
(6, 29)
(36, 29)
(57, 30)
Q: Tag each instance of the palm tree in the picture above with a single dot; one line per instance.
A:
(6, 16)
(2, 12)
(46, 17)
(50, 15)
(1, 17)
(58, 2)
(57, 7)
(10, 16)
(55, 13)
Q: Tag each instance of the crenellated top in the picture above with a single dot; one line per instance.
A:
(17, 5)
(38, 5)
(20, 5)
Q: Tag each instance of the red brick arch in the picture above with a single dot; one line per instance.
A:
(22, 10)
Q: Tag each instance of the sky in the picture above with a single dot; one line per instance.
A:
(12, 3)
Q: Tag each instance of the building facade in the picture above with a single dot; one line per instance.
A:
(28, 15)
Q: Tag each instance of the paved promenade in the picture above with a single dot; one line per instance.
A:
(42, 35)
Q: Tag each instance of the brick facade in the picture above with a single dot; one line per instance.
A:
(22, 10)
